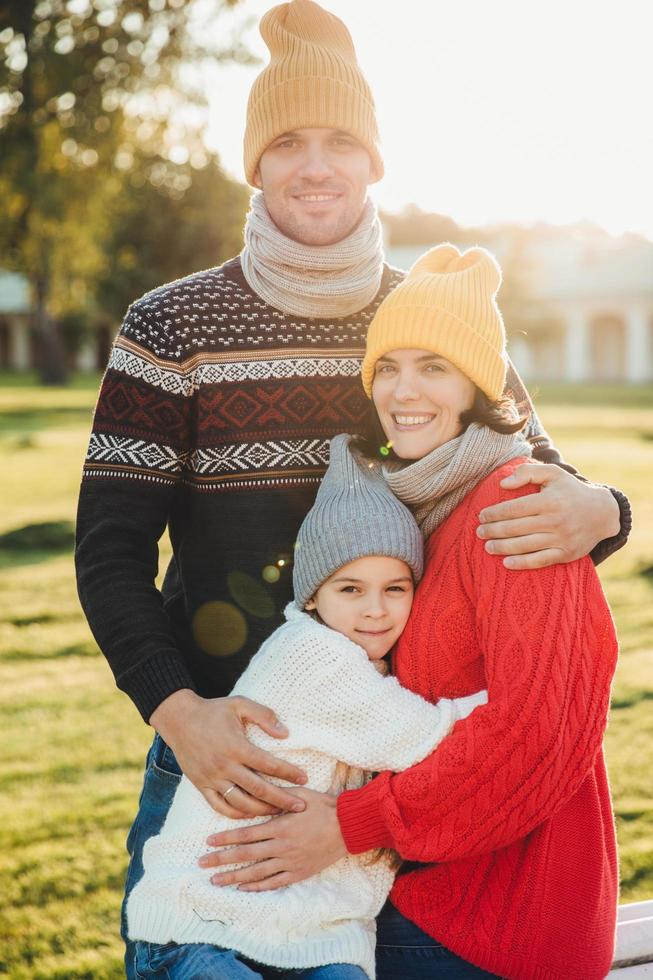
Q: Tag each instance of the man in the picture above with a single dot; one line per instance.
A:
(222, 392)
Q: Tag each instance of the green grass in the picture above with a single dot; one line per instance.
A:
(73, 746)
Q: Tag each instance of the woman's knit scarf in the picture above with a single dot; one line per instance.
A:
(434, 485)
(312, 280)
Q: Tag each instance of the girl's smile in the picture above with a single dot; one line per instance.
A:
(367, 600)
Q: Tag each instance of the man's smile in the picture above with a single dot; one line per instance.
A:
(312, 198)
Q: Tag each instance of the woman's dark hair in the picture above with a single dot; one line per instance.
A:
(500, 415)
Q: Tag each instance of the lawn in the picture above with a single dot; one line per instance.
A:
(74, 746)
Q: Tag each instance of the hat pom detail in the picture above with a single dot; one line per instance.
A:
(446, 259)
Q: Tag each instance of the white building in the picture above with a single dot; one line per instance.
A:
(16, 351)
(594, 292)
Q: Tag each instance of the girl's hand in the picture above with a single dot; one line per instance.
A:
(285, 849)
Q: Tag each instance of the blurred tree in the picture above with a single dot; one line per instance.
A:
(94, 93)
(158, 235)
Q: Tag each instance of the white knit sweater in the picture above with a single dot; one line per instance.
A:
(337, 707)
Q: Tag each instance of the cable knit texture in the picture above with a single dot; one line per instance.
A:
(336, 707)
(313, 280)
(513, 811)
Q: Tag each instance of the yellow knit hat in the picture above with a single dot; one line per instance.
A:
(446, 304)
(313, 80)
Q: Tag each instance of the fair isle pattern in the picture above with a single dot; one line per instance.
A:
(183, 381)
(217, 308)
(283, 455)
(206, 382)
(134, 456)
(210, 388)
(134, 452)
(111, 473)
(169, 378)
(256, 482)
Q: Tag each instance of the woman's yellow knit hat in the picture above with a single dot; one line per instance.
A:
(313, 80)
(446, 304)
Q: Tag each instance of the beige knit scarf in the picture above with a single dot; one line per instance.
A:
(434, 485)
(312, 280)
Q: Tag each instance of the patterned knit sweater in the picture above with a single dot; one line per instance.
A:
(337, 708)
(214, 418)
(511, 814)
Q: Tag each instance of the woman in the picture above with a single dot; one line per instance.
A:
(510, 817)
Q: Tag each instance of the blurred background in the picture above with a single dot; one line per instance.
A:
(524, 127)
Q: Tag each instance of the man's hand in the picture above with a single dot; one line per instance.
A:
(286, 849)
(562, 522)
(208, 739)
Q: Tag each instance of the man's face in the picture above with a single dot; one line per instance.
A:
(315, 184)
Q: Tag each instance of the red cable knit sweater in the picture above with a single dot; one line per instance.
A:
(513, 808)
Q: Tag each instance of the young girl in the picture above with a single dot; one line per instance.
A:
(358, 555)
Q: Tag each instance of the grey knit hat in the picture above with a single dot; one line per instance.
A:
(354, 515)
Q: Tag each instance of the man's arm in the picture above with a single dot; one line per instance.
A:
(138, 450)
(568, 519)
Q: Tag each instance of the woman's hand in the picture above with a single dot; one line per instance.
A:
(562, 522)
(286, 849)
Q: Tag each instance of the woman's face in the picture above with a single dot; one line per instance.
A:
(419, 398)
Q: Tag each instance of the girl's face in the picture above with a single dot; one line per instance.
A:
(368, 600)
(419, 398)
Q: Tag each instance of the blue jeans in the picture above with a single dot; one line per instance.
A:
(162, 775)
(145, 960)
(200, 961)
(404, 951)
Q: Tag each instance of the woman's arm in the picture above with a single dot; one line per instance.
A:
(550, 652)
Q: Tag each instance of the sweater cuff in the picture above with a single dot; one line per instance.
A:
(361, 819)
(152, 681)
(608, 547)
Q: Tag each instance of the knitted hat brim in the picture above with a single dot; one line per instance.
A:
(432, 329)
(305, 103)
(346, 543)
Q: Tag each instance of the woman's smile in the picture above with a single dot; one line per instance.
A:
(411, 421)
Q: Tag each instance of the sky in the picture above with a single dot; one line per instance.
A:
(493, 110)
